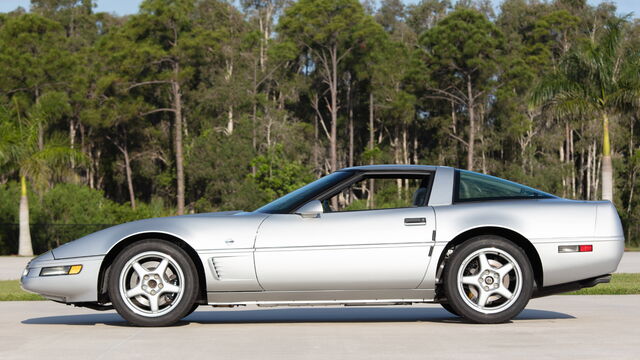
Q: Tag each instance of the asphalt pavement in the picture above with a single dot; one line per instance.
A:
(557, 327)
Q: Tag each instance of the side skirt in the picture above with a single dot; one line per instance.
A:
(336, 297)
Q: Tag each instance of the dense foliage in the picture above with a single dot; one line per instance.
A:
(200, 105)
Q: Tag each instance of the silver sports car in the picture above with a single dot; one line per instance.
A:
(376, 235)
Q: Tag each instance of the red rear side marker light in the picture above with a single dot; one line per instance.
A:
(586, 248)
(575, 248)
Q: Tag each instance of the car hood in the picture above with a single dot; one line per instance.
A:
(201, 231)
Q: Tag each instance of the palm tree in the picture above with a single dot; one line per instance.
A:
(35, 161)
(594, 79)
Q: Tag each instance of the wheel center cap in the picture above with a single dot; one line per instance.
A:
(489, 280)
(153, 283)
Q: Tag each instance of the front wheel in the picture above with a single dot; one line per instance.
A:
(488, 279)
(153, 283)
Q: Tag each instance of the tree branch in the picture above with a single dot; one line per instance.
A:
(459, 139)
(152, 82)
(158, 110)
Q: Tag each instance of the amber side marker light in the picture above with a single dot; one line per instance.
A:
(575, 248)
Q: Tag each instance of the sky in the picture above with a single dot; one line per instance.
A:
(124, 7)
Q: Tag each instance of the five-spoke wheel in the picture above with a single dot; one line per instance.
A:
(488, 279)
(153, 283)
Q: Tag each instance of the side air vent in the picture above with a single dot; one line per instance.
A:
(232, 267)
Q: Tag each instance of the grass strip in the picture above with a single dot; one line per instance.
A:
(621, 284)
(10, 291)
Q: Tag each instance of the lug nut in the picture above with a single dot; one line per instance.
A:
(146, 277)
(160, 286)
(153, 292)
(156, 277)
(486, 288)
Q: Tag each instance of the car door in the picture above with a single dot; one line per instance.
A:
(348, 250)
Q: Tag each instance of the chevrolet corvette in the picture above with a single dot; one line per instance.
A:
(371, 235)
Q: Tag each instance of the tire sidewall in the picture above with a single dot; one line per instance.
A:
(191, 282)
(451, 281)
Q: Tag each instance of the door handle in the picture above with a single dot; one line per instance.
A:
(415, 221)
(229, 241)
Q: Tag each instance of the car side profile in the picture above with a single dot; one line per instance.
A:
(376, 235)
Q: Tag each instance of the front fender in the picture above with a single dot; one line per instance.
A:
(201, 232)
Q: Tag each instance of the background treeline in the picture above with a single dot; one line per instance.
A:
(203, 105)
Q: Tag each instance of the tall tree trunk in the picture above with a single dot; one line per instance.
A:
(177, 105)
(25, 248)
(472, 128)
(228, 76)
(371, 145)
(405, 144)
(254, 115)
(589, 162)
(316, 149)
(607, 169)
(351, 130)
(127, 168)
(333, 151)
(333, 140)
(230, 121)
(72, 140)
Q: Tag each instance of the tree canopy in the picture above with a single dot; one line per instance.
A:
(207, 105)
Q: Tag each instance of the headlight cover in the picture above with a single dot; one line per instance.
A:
(61, 270)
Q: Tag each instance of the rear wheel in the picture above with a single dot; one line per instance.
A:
(153, 283)
(488, 279)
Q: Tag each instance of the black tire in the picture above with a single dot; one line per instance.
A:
(170, 306)
(448, 307)
(193, 308)
(474, 302)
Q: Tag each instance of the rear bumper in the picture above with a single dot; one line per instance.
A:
(572, 286)
(562, 268)
(82, 287)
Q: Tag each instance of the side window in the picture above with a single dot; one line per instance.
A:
(473, 186)
(380, 192)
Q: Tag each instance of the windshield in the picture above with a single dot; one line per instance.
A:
(299, 197)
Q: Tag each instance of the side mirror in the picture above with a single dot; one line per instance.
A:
(312, 209)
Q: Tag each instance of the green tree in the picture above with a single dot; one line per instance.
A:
(34, 160)
(148, 52)
(597, 79)
(276, 175)
(462, 54)
(328, 31)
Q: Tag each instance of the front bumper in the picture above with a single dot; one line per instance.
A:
(82, 287)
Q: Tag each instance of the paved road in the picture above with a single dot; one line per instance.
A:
(630, 263)
(11, 266)
(558, 327)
